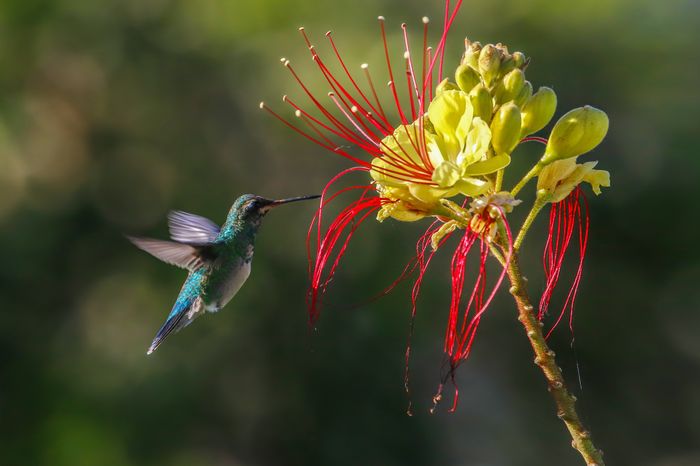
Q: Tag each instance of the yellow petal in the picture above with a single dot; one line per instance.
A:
(448, 113)
(446, 174)
(555, 172)
(472, 187)
(487, 166)
(597, 178)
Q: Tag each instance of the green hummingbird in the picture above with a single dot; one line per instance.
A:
(217, 258)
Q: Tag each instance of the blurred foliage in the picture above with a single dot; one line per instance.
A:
(113, 112)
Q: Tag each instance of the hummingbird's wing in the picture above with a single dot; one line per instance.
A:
(188, 306)
(191, 228)
(181, 255)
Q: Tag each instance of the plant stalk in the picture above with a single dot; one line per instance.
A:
(545, 360)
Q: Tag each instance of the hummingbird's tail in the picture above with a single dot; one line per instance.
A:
(183, 313)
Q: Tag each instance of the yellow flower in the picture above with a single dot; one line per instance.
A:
(559, 178)
(451, 145)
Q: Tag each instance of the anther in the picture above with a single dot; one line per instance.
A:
(513, 290)
(557, 385)
(538, 361)
(525, 279)
(540, 323)
(328, 33)
(286, 63)
(406, 55)
(425, 20)
(527, 307)
(301, 28)
(561, 415)
(573, 398)
(297, 113)
(380, 18)
(262, 105)
(364, 66)
(551, 353)
(284, 98)
(283, 59)
(353, 109)
(531, 333)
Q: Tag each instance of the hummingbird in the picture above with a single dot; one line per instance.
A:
(217, 259)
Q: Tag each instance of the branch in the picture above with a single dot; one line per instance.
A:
(544, 359)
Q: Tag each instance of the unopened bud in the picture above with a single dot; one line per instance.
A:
(576, 133)
(445, 85)
(489, 63)
(520, 60)
(524, 95)
(512, 84)
(505, 128)
(471, 53)
(538, 110)
(507, 65)
(466, 77)
(481, 102)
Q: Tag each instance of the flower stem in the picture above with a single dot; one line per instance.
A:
(540, 201)
(545, 360)
(528, 176)
(499, 180)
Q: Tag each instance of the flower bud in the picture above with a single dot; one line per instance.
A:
(513, 83)
(524, 95)
(471, 53)
(505, 128)
(481, 102)
(445, 85)
(489, 63)
(466, 77)
(538, 110)
(520, 60)
(507, 65)
(576, 133)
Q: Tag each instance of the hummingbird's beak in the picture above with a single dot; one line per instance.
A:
(293, 199)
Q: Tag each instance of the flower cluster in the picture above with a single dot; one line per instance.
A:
(444, 156)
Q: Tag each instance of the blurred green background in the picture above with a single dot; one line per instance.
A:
(114, 112)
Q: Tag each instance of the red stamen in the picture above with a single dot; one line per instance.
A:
(462, 325)
(365, 68)
(337, 150)
(535, 139)
(566, 217)
(354, 83)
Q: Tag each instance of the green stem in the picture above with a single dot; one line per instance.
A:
(499, 180)
(545, 360)
(540, 201)
(528, 176)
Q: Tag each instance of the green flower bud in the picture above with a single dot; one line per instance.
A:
(505, 128)
(520, 60)
(538, 110)
(524, 95)
(512, 84)
(489, 63)
(466, 77)
(576, 133)
(481, 102)
(471, 53)
(507, 65)
(445, 85)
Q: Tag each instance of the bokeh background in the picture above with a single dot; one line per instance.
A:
(114, 112)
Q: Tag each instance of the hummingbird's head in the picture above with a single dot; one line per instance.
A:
(252, 208)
